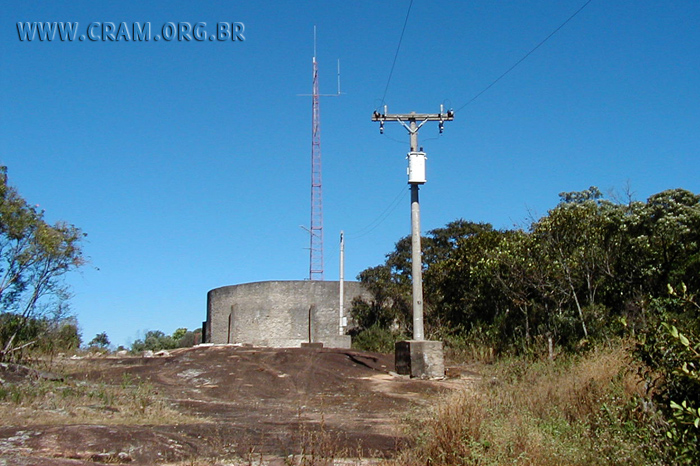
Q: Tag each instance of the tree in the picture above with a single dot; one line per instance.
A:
(185, 338)
(179, 333)
(460, 284)
(64, 335)
(587, 270)
(154, 340)
(34, 256)
(390, 283)
(667, 240)
(188, 338)
(101, 341)
(579, 240)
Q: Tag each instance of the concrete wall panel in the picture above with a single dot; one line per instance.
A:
(277, 313)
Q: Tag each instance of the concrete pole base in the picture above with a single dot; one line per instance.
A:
(312, 345)
(338, 341)
(420, 359)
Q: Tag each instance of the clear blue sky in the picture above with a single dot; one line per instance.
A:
(188, 163)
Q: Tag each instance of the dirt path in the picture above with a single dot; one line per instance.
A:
(236, 401)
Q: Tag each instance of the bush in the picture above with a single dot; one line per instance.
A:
(575, 411)
(670, 351)
(155, 340)
(38, 335)
(377, 339)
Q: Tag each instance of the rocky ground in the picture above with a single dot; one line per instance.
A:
(223, 405)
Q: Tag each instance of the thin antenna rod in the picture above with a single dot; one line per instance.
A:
(314, 42)
(324, 95)
(338, 76)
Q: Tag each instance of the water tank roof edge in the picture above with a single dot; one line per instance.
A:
(281, 281)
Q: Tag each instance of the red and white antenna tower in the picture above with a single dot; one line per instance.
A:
(316, 228)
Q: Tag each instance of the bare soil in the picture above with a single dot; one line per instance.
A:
(240, 405)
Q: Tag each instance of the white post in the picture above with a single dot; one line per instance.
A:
(341, 330)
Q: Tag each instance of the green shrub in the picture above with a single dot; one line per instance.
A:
(670, 351)
(377, 339)
(43, 336)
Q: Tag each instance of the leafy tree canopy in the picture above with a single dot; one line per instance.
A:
(101, 341)
(34, 257)
(156, 340)
(573, 275)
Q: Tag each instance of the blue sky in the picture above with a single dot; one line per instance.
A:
(188, 163)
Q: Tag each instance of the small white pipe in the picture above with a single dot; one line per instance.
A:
(342, 284)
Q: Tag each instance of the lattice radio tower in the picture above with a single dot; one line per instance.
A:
(316, 230)
(316, 227)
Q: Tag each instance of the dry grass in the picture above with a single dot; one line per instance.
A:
(133, 402)
(319, 446)
(470, 353)
(575, 411)
(566, 413)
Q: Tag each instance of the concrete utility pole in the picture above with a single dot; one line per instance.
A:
(416, 176)
(409, 354)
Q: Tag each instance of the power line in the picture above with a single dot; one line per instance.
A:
(370, 227)
(524, 57)
(396, 55)
(403, 143)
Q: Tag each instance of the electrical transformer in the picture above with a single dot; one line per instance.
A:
(416, 167)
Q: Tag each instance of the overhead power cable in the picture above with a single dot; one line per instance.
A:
(396, 55)
(523, 58)
(370, 227)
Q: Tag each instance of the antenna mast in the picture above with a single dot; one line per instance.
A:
(316, 230)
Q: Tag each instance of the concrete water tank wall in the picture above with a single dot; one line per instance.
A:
(279, 313)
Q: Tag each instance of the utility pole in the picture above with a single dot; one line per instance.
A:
(416, 176)
(418, 357)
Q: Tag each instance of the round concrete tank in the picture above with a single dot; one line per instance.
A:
(279, 313)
